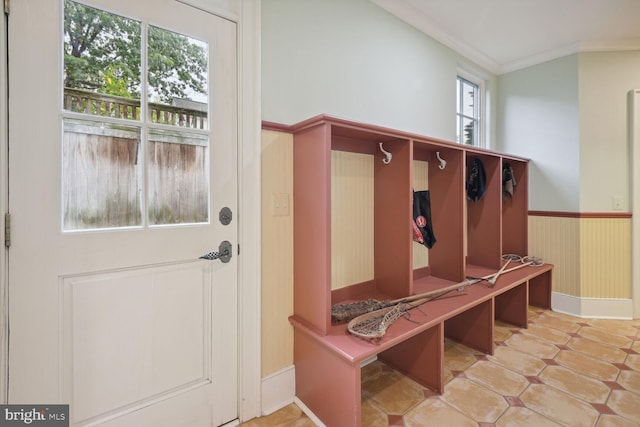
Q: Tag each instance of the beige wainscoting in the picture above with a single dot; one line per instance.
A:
(277, 251)
(591, 253)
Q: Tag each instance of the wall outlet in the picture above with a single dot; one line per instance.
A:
(616, 203)
(280, 204)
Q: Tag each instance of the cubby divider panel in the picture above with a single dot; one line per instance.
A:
(446, 186)
(392, 221)
(483, 215)
(312, 201)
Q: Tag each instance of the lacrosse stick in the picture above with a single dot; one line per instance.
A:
(508, 258)
(344, 312)
(373, 325)
(525, 261)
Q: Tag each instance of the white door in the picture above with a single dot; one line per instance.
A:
(115, 193)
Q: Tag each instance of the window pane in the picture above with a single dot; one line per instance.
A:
(178, 178)
(468, 98)
(100, 175)
(468, 131)
(178, 79)
(101, 63)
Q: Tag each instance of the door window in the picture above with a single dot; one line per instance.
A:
(135, 123)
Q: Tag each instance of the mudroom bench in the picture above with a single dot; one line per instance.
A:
(355, 188)
(328, 367)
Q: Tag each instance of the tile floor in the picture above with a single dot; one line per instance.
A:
(560, 371)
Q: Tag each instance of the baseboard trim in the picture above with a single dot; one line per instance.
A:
(278, 390)
(308, 413)
(601, 308)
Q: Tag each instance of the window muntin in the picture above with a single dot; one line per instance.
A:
(468, 120)
(129, 163)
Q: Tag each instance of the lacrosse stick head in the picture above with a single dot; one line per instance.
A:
(532, 260)
(373, 326)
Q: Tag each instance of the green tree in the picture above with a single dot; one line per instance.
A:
(102, 53)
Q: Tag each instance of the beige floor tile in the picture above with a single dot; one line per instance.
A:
(596, 349)
(475, 401)
(502, 332)
(371, 370)
(458, 357)
(435, 412)
(554, 336)
(524, 417)
(532, 345)
(392, 392)
(559, 406)
(448, 376)
(517, 361)
(606, 337)
(636, 346)
(620, 327)
(587, 365)
(373, 416)
(615, 421)
(557, 321)
(633, 361)
(631, 381)
(282, 417)
(497, 378)
(585, 388)
(625, 403)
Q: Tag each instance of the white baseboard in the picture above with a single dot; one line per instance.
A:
(308, 412)
(278, 390)
(601, 308)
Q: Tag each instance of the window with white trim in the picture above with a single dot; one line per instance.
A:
(468, 112)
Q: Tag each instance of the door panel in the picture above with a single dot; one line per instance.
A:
(127, 325)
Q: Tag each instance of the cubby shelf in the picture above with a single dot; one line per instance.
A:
(471, 238)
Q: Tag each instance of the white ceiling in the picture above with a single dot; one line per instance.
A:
(506, 35)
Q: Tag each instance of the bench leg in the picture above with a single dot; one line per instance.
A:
(473, 327)
(421, 358)
(327, 384)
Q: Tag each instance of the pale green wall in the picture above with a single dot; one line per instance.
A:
(570, 117)
(605, 78)
(539, 119)
(352, 59)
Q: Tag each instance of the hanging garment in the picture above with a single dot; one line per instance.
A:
(508, 180)
(422, 226)
(477, 181)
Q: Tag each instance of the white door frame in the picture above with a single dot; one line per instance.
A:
(4, 187)
(249, 280)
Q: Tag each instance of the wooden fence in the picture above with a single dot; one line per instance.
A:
(103, 178)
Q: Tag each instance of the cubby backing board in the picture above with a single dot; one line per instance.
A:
(515, 211)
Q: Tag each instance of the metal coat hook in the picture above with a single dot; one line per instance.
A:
(387, 155)
(443, 162)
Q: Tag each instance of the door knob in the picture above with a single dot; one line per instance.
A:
(223, 254)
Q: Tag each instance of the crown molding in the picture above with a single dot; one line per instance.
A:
(420, 21)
